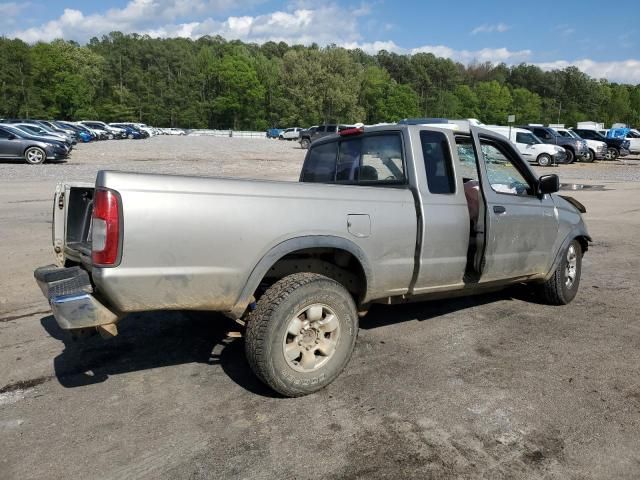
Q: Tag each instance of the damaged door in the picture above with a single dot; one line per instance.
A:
(521, 226)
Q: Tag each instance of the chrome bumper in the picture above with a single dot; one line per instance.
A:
(70, 295)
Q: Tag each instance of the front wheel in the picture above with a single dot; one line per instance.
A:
(563, 285)
(589, 157)
(35, 155)
(612, 153)
(305, 143)
(301, 334)
(571, 157)
(544, 160)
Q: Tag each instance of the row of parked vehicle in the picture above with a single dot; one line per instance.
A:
(36, 141)
(544, 145)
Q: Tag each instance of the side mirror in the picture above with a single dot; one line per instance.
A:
(11, 136)
(548, 184)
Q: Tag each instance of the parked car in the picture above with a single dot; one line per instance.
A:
(575, 148)
(274, 132)
(313, 133)
(174, 131)
(82, 133)
(616, 147)
(630, 134)
(531, 147)
(112, 132)
(15, 145)
(37, 130)
(597, 149)
(130, 131)
(385, 214)
(290, 134)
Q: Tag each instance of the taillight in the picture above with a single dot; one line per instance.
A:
(105, 228)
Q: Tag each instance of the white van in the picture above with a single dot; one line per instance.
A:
(531, 147)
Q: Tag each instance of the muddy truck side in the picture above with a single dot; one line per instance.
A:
(384, 214)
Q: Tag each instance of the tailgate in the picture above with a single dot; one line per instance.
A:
(71, 231)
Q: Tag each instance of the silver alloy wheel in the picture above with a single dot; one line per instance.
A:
(35, 155)
(572, 265)
(612, 154)
(311, 338)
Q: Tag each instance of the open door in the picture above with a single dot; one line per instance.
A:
(519, 227)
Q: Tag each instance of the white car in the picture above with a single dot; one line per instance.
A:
(290, 134)
(531, 147)
(174, 131)
(597, 149)
(634, 140)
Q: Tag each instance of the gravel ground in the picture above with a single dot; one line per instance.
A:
(493, 386)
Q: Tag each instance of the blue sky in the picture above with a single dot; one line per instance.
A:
(604, 42)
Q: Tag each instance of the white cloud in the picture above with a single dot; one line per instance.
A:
(489, 28)
(625, 71)
(493, 55)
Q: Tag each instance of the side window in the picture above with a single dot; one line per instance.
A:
(4, 133)
(437, 162)
(320, 166)
(381, 159)
(349, 161)
(331, 129)
(502, 172)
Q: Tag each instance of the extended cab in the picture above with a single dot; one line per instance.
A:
(385, 214)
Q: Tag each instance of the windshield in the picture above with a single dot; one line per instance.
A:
(568, 133)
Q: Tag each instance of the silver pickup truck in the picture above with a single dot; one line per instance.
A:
(384, 214)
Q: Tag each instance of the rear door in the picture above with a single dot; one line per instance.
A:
(520, 226)
(445, 221)
(10, 145)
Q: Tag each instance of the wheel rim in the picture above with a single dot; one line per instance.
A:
(311, 338)
(571, 269)
(34, 156)
(611, 154)
(543, 161)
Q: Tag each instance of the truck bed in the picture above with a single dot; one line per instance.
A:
(193, 242)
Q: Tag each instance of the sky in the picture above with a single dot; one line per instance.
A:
(601, 40)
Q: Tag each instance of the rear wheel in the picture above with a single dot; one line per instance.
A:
(305, 143)
(544, 160)
(563, 285)
(301, 334)
(130, 136)
(35, 155)
(612, 153)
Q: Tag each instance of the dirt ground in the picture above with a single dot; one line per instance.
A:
(493, 386)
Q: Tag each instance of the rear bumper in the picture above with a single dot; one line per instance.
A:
(71, 298)
(560, 157)
(624, 152)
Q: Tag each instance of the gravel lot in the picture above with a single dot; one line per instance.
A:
(494, 386)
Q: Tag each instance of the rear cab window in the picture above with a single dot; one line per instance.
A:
(437, 162)
(375, 159)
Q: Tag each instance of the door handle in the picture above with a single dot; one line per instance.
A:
(499, 209)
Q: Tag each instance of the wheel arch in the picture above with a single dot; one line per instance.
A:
(357, 264)
(577, 233)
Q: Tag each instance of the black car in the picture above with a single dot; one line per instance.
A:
(576, 148)
(313, 133)
(616, 147)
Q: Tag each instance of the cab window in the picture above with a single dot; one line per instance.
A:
(437, 162)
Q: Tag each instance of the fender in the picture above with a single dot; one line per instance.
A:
(290, 246)
(577, 231)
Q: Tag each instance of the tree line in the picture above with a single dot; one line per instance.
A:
(214, 83)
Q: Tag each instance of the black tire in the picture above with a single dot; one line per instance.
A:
(612, 153)
(571, 157)
(305, 143)
(35, 155)
(269, 329)
(557, 290)
(591, 156)
(544, 160)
